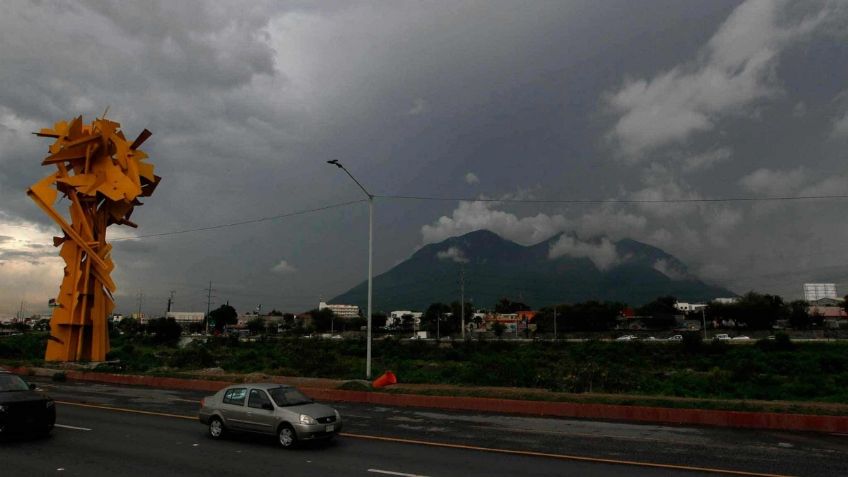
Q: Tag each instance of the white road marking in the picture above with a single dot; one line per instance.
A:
(185, 400)
(63, 426)
(389, 472)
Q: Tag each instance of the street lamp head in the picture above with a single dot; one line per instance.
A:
(335, 162)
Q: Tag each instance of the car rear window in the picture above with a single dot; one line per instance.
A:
(235, 396)
(10, 382)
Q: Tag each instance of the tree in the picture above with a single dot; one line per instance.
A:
(845, 303)
(275, 312)
(378, 320)
(288, 320)
(799, 317)
(498, 328)
(662, 312)
(256, 325)
(222, 316)
(590, 316)
(454, 324)
(129, 326)
(505, 306)
(407, 322)
(357, 323)
(165, 330)
(663, 305)
(434, 318)
(753, 310)
(323, 320)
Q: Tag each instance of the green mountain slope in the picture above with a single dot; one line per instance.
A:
(495, 267)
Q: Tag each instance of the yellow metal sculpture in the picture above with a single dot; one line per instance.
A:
(102, 175)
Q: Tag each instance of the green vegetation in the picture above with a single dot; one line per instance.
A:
(777, 369)
(28, 347)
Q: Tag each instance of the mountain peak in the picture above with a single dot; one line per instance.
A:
(496, 267)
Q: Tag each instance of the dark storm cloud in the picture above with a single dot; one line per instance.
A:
(248, 100)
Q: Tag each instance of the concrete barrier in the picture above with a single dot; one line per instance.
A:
(610, 412)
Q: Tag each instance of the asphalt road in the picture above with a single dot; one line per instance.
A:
(133, 438)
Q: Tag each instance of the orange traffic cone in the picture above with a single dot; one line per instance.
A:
(387, 378)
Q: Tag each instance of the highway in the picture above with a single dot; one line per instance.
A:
(121, 430)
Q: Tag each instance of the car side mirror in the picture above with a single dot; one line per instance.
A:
(268, 406)
(32, 386)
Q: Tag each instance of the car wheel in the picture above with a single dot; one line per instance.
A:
(216, 428)
(286, 436)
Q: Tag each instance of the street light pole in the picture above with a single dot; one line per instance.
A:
(336, 163)
(462, 298)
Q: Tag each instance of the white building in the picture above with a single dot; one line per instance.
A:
(186, 317)
(817, 291)
(689, 307)
(342, 311)
(726, 301)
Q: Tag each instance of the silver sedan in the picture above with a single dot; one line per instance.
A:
(268, 408)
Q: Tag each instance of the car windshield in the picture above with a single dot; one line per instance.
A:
(288, 396)
(10, 382)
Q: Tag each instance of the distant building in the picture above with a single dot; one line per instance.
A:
(816, 291)
(186, 317)
(689, 307)
(342, 311)
(827, 308)
(726, 301)
(395, 318)
(513, 322)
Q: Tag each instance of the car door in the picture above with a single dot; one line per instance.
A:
(260, 412)
(233, 408)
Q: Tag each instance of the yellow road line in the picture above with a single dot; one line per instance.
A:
(564, 456)
(468, 447)
(123, 409)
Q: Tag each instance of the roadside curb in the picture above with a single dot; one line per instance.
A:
(610, 412)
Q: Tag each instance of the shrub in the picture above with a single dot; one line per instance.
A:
(692, 342)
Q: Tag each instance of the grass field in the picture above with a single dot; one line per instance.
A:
(776, 370)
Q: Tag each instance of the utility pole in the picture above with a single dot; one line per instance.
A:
(140, 299)
(208, 305)
(555, 334)
(462, 297)
(21, 312)
(171, 300)
(704, 322)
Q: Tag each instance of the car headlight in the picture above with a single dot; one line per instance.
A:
(304, 419)
(50, 404)
(338, 416)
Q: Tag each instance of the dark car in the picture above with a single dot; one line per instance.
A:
(23, 409)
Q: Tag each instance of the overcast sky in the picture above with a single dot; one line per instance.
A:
(655, 99)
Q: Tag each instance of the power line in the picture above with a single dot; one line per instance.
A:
(615, 201)
(489, 200)
(243, 222)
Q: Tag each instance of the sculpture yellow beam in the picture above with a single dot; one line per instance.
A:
(102, 175)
